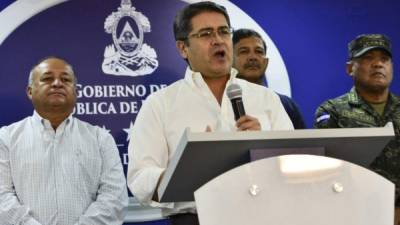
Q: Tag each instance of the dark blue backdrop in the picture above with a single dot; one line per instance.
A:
(312, 38)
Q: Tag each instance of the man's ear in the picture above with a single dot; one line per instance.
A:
(265, 63)
(349, 68)
(182, 49)
(29, 92)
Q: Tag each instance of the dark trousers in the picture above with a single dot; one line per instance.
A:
(184, 219)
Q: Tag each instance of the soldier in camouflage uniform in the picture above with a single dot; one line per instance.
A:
(369, 103)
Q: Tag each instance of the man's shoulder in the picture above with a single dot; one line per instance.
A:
(342, 111)
(16, 125)
(166, 92)
(13, 130)
(289, 104)
(244, 83)
(338, 102)
(95, 137)
(254, 88)
(89, 129)
(286, 100)
(395, 98)
(86, 124)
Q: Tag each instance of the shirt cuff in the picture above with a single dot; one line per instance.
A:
(145, 184)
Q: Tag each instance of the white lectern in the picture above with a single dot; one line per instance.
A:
(297, 190)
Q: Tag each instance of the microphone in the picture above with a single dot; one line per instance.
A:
(234, 92)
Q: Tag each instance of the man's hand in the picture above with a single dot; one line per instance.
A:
(248, 123)
(155, 194)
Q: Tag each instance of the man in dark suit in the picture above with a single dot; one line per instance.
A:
(249, 50)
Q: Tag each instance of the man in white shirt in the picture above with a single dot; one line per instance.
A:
(54, 168)
(199, 101)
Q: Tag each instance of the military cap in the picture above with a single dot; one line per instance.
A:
(366, 42)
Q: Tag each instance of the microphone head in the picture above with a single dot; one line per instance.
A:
(234, 91)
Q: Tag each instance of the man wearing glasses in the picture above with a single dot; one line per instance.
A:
(198, 101)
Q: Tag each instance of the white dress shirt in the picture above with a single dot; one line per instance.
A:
(189, 103)
(71, 176)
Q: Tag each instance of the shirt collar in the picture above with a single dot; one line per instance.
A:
(45, 123)
(194, 78)
(354, 98)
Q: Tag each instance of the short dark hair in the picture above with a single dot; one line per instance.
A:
(246, 33)
(183, 23)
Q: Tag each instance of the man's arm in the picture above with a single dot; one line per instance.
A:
(326, 116)
(293, 111)
(148, 153)
(112, 197)
(11, 210)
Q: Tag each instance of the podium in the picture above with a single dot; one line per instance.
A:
(297, 190)
(201, 157)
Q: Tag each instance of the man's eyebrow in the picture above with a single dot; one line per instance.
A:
(211, 28)
(205, 28)
(260, 48)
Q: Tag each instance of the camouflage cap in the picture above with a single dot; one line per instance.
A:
(366, 42)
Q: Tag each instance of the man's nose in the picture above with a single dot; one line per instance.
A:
(377, 63)
(252, 57)
(57, 82)
(217, 38)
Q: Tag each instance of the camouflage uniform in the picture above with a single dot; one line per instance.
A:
(350, 110)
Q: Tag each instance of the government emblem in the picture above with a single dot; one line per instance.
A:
(128, 55)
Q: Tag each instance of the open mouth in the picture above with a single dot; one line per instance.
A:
(220, 54)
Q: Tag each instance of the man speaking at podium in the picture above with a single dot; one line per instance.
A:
(54, 168)
(199, 101)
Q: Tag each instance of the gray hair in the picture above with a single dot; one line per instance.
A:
(30, 80)
(31, 73)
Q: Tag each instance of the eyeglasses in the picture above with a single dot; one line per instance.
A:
(206, 34)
